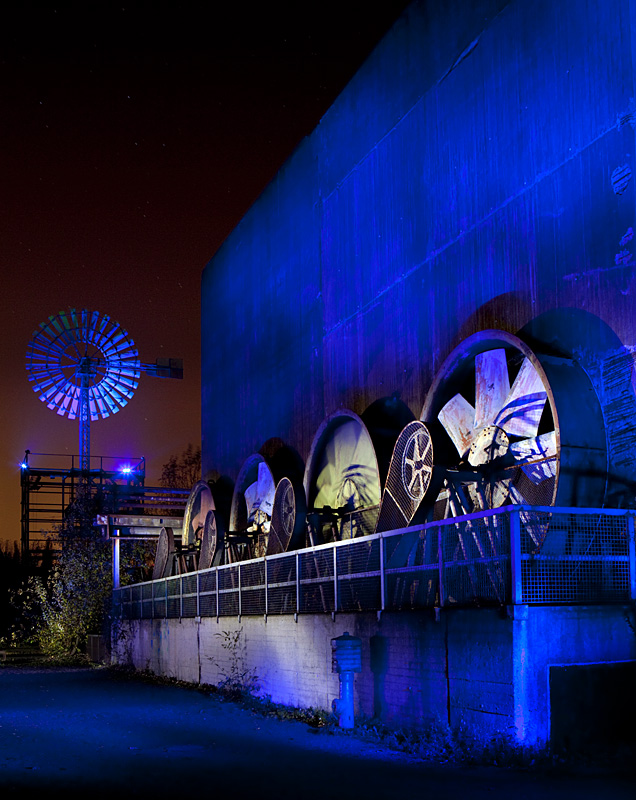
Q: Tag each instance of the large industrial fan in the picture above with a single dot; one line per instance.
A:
(289, 511)
(84, 365)
(409, 477)
(513, 426)
(165, 554)
(342, 480)
(202, 534)
(251, 510)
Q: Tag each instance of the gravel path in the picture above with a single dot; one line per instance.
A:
(91, 734)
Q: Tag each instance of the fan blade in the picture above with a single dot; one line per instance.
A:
(265, 488)
(458, 417)
(251, 499)
(524, 404)
(491, 386)
(541, 449)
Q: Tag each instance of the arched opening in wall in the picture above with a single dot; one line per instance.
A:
(513, 426)
(342, 480)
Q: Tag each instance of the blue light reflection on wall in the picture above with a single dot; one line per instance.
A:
(436, 198)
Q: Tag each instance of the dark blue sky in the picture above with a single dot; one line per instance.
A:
(133, 139)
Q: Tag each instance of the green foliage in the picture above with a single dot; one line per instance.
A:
(183, 471)
(25, 602)
(76, 597)
(13, 576)
(237, 680)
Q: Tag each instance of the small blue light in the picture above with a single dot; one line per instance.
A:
(126, 470)
(23, 465)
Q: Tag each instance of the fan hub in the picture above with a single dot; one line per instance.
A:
(490, 443)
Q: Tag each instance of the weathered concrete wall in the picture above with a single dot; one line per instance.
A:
(409, 661)
(483, 669)
(474, 174)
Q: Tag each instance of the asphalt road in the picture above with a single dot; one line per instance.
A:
(88, 733)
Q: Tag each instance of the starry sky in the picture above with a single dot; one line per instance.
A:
(133, 139)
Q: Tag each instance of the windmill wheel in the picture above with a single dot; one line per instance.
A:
(72, 350)
(164, 554)
(515, 427)
(211, 541)
(288, 518)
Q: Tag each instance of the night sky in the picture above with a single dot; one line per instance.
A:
(134, 138)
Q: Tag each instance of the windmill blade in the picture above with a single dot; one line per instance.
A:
(457, 418)
(491, 386)
(540, 449)
(521, 412)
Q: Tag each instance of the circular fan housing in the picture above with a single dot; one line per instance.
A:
(164, 554)
(200, 503)
(288, 517)
(211, 540)
(409, 477)
(72, 347)
(528, 425)
(253, 497)
(342, 480)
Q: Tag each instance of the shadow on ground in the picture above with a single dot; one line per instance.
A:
(88, 733)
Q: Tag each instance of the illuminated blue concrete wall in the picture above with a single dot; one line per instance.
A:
(474, 174)
(477, 669)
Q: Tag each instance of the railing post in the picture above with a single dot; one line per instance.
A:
(382, 584)
(297, 583)
(216, 585)
(265, 571)
(440, 561)
(335, 578)
(239, 588)
(631, 543)
(180, 596)
(515, 558)
(198, 578)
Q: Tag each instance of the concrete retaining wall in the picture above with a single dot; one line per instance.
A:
(485, 669)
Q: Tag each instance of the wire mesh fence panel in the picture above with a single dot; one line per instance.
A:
(207, 593)
(412, 570)
(173, 610)
(281, 585)
(358, 523)
(253, 588)
(146, 610)
(189, 595)
(476, 561)
(159, 602)
(359, 579)
(229, 591)
(581, 558)
(316, 582)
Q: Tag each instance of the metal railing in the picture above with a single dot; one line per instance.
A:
(510, 555)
